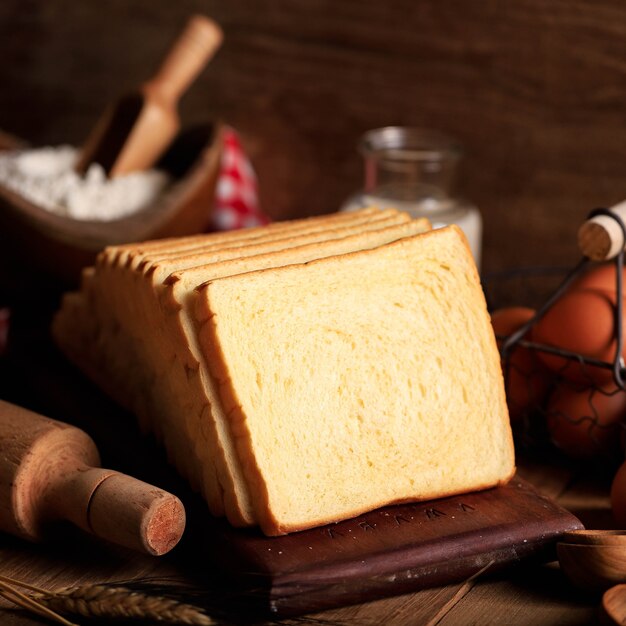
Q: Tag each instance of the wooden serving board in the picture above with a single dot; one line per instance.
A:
(393, 550)
(386, 552)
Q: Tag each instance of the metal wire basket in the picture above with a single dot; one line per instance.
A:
(583, 415)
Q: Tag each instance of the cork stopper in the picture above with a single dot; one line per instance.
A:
(601, 238)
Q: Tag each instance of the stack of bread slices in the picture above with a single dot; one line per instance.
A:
(302, 372)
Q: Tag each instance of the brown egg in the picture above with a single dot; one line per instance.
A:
(618, 496)
(598, 276)
(526, 379)
(586, 422)
(507, 320)
(581, 322)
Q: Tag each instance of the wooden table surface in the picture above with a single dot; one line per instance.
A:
(527, 594)
(536, 595)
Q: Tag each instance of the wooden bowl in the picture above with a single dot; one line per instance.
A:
(37, 244)
(595, 537)
(593, 567)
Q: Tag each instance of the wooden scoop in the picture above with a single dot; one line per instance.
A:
(600, 238)
(49, 471)
(134, 133)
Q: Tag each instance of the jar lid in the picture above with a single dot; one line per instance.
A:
(410, 143)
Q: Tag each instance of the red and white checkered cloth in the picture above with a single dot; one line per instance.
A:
(236, 198)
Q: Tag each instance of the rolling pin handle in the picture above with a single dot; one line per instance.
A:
(601, 237)
(49, 472)
(119, 509)
(137, 515)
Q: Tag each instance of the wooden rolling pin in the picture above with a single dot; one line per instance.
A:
(49, 471)
(134, 133)
(600, 238)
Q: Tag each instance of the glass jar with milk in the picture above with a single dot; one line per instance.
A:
(413, 170)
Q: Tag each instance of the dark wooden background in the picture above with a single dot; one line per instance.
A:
(535, 90)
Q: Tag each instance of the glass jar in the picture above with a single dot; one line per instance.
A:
(413, 169)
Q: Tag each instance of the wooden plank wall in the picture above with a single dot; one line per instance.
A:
(535, 90)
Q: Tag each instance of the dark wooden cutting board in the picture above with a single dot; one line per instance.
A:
(386, 552)
(395, 549)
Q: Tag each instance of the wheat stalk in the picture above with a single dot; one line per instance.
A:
(9, 593)
(119, 602)
(102, 601)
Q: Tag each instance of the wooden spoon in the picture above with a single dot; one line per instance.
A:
(133, 133)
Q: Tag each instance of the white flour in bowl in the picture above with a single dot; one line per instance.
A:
(46, 177)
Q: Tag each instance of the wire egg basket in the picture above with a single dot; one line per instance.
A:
(559, 398)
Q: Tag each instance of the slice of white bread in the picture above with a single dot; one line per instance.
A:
(188, 380)
(359, 380)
